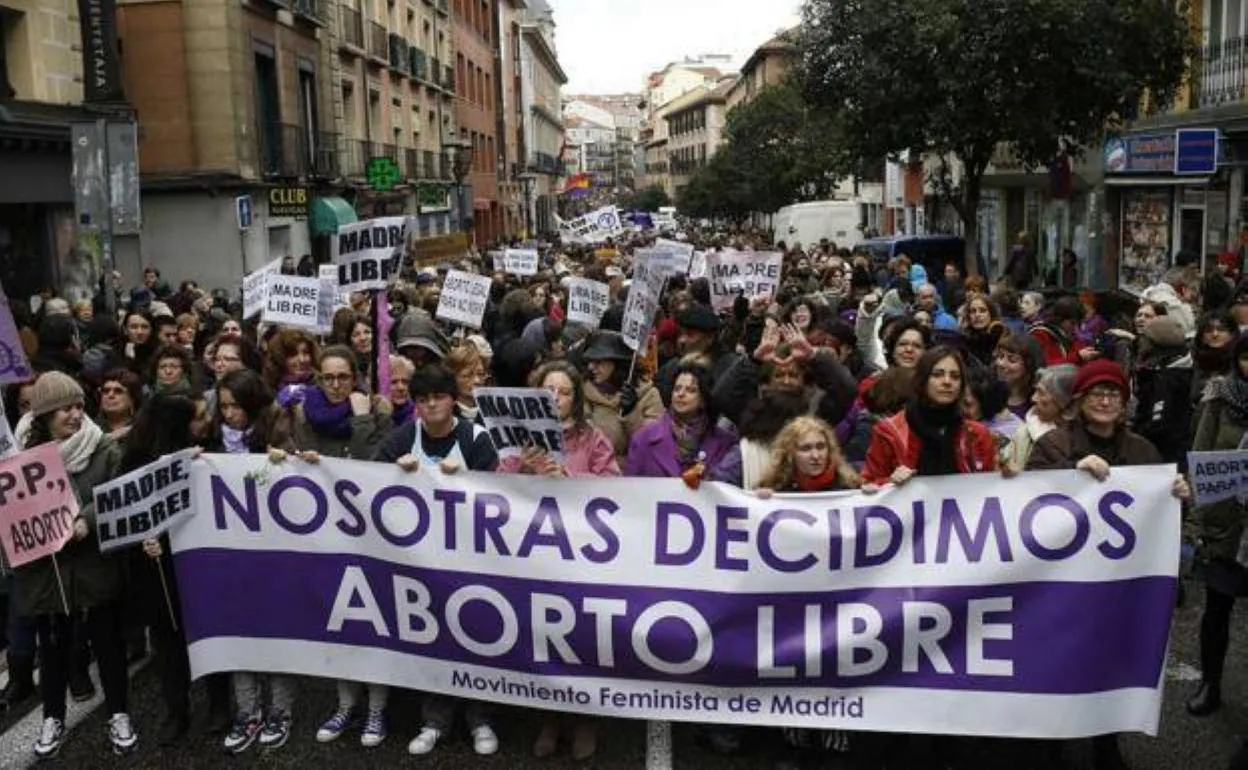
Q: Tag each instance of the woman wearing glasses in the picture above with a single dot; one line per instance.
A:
(336, 420)
(121, 397)
(1097, 440)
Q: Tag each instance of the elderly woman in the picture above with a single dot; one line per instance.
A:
(1049, 402)
(401, 371)
(1096, 440)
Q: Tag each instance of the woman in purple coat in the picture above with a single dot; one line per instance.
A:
(686, 442)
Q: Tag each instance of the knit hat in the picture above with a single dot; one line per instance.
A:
(1100, 371)
(1166, 331)
(52, 391)
(698, 317)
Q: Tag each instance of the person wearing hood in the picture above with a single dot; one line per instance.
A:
(420, 340)
(1176, 291)
(926, 298)
(1162, 384)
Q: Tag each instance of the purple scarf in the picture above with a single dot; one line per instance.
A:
(332, 420)
(404, 411)
(292, 392)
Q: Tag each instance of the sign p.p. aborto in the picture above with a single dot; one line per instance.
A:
(37, 505)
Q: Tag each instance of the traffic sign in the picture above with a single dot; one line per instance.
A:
(382, 173)
(242, 211)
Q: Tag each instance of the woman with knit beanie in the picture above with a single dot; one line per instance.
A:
(92, 582)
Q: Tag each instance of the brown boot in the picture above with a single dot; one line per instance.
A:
(584, 739)
(547, 742)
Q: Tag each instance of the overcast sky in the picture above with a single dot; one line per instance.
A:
(609, 46)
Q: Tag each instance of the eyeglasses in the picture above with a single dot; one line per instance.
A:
(337, 379)
(1108, 395)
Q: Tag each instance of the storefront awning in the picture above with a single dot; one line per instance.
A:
(328, 214)
(1155, 181)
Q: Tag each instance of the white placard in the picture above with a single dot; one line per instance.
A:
(697, 265)
(594, 227)
(643, 296)
(144, 503)
(679, 255)
(520, 417)
(499, 260)
(292, 300)
(464, 297)
(253, 287)
(754, 274)
(8, 444)
(587, 301)
(520, 261)
(327, 302)
(368, 254)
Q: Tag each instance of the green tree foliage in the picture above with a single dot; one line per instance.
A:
(651, 198)
(776, 150)
(955, 78)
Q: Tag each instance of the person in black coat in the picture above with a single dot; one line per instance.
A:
(1162, 387)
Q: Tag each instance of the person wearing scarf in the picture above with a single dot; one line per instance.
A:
(1223, 423)
(806, 458)
(612, 405)
(171, 370)
(92, 581)
(930, 437)
(1050, 400)
(401, 371)
(291, 364)
(336, 420)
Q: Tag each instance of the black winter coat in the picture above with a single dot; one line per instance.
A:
(1163, 411)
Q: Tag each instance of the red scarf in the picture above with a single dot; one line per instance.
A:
(821, 483)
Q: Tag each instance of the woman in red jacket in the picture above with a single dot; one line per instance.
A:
(930, 437)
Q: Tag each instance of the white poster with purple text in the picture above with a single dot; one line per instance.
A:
(1037, 606)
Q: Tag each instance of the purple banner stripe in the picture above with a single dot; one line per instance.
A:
(1067, 638)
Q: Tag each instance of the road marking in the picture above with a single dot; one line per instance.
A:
(17, 743)
(658, 746)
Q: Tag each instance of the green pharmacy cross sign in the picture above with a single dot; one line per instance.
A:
(382, 173)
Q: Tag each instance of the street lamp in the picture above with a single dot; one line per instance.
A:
(459, 155)
(527, 182)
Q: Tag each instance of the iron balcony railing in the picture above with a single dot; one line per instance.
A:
(435, 67)
(429, 164)
(411, 163)
(449, 79)
(378, 45)
(352, 28)
(420, 64)
(289, 150)
(1221, 73)
(400, 59)
(316, 10)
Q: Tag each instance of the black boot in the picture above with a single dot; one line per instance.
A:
(220, 716)
(21, 682)
(1206, 700)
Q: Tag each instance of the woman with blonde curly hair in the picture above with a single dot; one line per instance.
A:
(806, 459)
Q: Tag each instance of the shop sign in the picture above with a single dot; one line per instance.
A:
(289, 201)
(1196, 151)
(1184, 151)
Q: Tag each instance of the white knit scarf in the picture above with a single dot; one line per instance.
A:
(76, 451)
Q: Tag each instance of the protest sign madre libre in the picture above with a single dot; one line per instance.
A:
(370, 253)
(144, 503)
(588, 300)
(753, 274)
(37, 504)
(292, 300)
(520, 261)
(464, 297)
(1037, 606)
(520, 417)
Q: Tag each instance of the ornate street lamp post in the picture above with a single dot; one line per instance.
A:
(459, 153)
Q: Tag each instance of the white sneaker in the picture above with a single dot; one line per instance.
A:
(50, 738)
(425, 742)
(484, 741)
(121, 733)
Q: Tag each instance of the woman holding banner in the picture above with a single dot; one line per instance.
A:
(1096, 440)
(165, 425)
(806, 459)
(78, 578)
(247, 420)
(587, 453)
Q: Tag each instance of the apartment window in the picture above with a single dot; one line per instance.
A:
(489, 92)
(268, 111)
(491, 159)
(8, 32)
(348, 108)
(461, 74)
(309, 118)
(374, 113)
(485, 20)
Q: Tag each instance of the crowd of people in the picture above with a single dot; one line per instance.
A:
(853, 374)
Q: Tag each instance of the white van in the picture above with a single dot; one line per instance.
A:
(808, 223)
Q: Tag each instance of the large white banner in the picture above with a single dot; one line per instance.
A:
(369, 253)
(594, 227)
(1037, 606)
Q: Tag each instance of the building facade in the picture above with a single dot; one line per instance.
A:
(541, 105)
(41, 95)
(695, 129)
(476, 42)
(769, 65)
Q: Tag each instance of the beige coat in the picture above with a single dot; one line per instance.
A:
(603, 412)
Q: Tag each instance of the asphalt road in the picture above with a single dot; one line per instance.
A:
(1184, 743)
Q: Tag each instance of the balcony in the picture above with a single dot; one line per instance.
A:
(448, 80)
(352, 29)
(435, 67)
(316, 11)
(356, 157)
(411, 163)
(419, 64)
(1221, 73)
(288, 150)
(544, 163)
(378, 43)
(445, 167)
(400, 59)
(429, 165)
